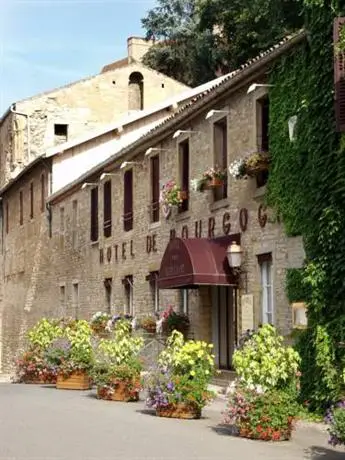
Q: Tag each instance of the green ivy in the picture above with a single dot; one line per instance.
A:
(307, 188)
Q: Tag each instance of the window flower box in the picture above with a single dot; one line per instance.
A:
(250, 166)
(214, 177)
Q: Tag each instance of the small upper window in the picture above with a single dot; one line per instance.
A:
(60, 133)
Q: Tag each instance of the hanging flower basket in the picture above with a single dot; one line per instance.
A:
(179, 410)
(215, 182)
(257, 163)
(172, 195)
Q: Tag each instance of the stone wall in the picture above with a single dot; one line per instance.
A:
(72, 263)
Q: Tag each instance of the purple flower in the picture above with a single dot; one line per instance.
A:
(170, 386)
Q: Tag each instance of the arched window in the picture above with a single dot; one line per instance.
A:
(136, 91)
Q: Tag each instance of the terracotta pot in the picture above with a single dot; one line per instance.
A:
(215, 182)
(121, 391)
(182, 195)
(75, 381)
(180, 410)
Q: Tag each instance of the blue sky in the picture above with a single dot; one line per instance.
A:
(48, 43)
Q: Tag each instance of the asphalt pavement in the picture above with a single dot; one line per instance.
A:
(42, 423)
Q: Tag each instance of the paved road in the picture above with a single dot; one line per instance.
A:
(42, 423)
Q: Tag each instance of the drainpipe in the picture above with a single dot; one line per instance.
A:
(27, 127)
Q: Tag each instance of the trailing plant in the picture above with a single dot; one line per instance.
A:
(264, 360)
(297, 288)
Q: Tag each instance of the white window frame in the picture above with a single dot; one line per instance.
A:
(75, 297)
(129, 306)
(185, 301)
(267, 300)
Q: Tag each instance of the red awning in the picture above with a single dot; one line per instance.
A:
(195, 261)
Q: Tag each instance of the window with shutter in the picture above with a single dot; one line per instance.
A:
(94, 214)
(155, 189)
(107, 209)
(128, 201)
(31, 200)
(184, 173)
(220, 155)
(339, 75)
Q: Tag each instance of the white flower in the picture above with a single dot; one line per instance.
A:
(194, 184)
(235, 168)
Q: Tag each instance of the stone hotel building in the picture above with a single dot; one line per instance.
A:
(97, 238)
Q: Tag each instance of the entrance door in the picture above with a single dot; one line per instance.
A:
(224, 308)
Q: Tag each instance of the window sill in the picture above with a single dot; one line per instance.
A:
(154, 225)
(260, 192)
(220, 204)
(185, 215)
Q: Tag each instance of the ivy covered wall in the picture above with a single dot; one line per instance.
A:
(307, 189)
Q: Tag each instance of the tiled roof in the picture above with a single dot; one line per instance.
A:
(115, 65)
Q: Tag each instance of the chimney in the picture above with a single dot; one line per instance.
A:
(137, 47)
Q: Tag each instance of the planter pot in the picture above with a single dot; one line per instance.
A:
(283, 434)
(215, 182)
(260, 166)
(120, 391)
(182, 195)
(36, 380)
(75, 381)
(150, 329)
(180, 410)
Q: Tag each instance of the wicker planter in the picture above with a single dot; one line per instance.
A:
(180, 410)
(215, 182)
(260, 166)
(120, 391)
(75, 381)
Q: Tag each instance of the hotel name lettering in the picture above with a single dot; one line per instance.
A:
(201, 228)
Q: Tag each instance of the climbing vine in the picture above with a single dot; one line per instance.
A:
(307, 188)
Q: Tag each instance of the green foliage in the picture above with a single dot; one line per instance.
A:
(307, 188)
(297, 289)
(116, 359)
(43, 333)
(200, 38)
(265, 361)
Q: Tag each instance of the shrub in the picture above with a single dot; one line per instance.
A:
(43, 333)
(264, 360)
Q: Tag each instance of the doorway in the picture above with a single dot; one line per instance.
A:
(224, 325)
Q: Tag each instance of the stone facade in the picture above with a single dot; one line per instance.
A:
(50, 118)
(71, 275)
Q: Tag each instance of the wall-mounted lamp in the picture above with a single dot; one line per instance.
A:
(234, 255)
(292, 122)
(88, 184)
(211, 113)
(253, 87)
(128, 163)
(155, 149)
(299, 315)
(104, 175)
(182, 131)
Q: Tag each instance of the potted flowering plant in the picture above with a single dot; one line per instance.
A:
(250, 166)
(148, 323)
(214, 177)
(174, 321)
(72, 355)
(31, 366)
(335, 417)
(262, 403)
(171, 194)
(100, 322)
(178, 388)
(116, 369)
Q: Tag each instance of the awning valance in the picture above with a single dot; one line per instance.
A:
(196, 261)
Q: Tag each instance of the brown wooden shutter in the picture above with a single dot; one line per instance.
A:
(107, 209)
(220, 155)
(184, 181)
(43, 191)
(155, 188)
(339, 76)
(94, 214)
(128, 201)
(31, 200)
(21, 208)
